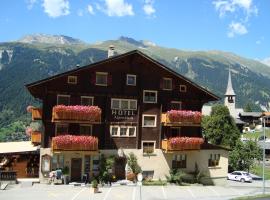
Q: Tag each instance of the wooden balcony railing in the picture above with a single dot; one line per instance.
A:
(36, 137)
(75, 143)
(36, 113)
(76, 114)
(181, 118)
(181, 144)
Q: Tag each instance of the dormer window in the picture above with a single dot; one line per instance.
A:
(167, 84)
(183, 88)
(131, 79)
(102, 78)
(72, 80)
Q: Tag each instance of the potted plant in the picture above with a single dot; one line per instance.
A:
(66, 175)
(95, 186)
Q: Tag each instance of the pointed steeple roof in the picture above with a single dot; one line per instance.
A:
(229, 91)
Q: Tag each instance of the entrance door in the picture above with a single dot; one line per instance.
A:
(119, 168)
(76, 169)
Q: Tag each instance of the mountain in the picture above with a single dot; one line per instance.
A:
(39, 56)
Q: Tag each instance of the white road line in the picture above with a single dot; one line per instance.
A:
(214, 191)
(190, 192)
(164, 194)
(134, 193)
(107, 194)
(77, 194)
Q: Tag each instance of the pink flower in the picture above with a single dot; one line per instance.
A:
(184, 116)
(28, 130)
(29, 108)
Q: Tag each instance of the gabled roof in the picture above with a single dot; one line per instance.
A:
(29, 86)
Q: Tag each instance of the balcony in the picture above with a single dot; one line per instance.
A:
(36, 137)
(76, 114)
(181, 118)
(182, 144)
(36, 112)
(74, 143)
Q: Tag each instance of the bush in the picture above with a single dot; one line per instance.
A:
(154, 183)
(176, 176)
(133, 163)
(94, 183)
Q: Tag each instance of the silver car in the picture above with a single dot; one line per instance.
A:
(240, 176)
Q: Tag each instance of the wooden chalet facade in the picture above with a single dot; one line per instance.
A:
(128, 99)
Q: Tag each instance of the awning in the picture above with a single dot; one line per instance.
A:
(17, 147)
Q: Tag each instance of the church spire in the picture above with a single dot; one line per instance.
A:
(229, 91)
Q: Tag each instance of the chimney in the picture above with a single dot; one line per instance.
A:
(111, 51)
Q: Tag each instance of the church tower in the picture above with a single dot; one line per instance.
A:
(230, 97)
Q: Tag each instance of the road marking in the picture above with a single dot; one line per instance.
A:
(134, 193)
(107, 194)
(214, 191)
(163, 191)
(190, 192)
(77, 194)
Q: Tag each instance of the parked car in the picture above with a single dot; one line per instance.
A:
(240, 176)
(261, 138)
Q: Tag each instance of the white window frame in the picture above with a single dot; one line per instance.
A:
(154, 91)
(135, 77)
(88, 97)
(147, 141)
(120, 103)
(183, 86)
(89, 125)
(118, 131)
(147, 115)
(60, 124)
(177, 102)
(164, 84)
(63, 95)
(102, 73)
(72, 83)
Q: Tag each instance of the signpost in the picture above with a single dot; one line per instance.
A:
(140, 177)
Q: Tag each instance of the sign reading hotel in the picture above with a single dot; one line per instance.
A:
(128, 115)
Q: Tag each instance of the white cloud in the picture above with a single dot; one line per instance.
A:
(80, 12)
(90, 9)
(236, 28)
(56, 8)
(118, 8)
(148, 7)
(30, 4)
(266, 61)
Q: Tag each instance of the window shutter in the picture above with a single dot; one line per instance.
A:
(109, 79)
(93, 78)
(161, 83)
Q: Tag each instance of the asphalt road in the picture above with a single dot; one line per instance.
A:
(65, 192)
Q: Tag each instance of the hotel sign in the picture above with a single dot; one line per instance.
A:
(123, 114)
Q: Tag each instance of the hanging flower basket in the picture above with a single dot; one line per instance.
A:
(74, 142)
(185, 143)
(186, 116)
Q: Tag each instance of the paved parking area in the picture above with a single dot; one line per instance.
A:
(64, 192)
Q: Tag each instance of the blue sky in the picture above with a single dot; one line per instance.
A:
(239, 26)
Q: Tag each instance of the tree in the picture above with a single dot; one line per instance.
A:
(248, 107)
(5, 57)
(133, 163)
(219, 128)
(243, 155)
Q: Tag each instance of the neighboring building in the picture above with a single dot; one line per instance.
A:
(134, 94)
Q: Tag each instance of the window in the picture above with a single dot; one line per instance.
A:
(179, 161)
(167, 84)
(149, 120)
(87, 101)
(123, 131)
(87, 161)
(176, 105)
(149, 96)
(101, 78)
(57, 162)
(213, 160)
(86, 129)
(148, 147)
(131, 79)
(123, 104)
(61, 129)
(72, 80)
(183, 88)
(63, 99)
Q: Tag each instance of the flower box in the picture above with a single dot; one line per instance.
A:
(182, 143)
(36, 137)
(74, 142)
(185, 116)
(90, 114)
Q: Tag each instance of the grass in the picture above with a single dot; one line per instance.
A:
(258, 171)
(154, 183)
(256, 134)
(252, 197)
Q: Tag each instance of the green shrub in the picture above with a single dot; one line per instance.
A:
(175, 176)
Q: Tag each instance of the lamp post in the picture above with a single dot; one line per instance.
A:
(263, 154)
